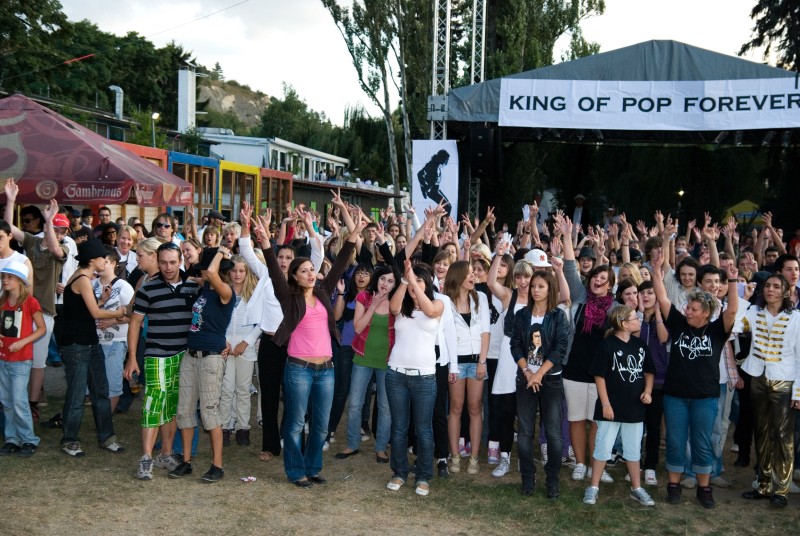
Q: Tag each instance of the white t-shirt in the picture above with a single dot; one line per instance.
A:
(414, 342)
(121, 295)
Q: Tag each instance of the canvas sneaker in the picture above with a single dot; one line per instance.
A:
(543, 449)
(706, 497)
(114, 447)
(454, 464)
(494, 456)
(473, 468)
(214, 474)
(674, 493)
(650, 477)
(442, 469)
(145, 471)
(167, 461)
(503, 467)
(185, 468)
(642, 497)
(605, 477)
(73, 449)
(590, 495)
(579, 473)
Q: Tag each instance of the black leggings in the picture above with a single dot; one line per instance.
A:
(653, 413)
(271, 362)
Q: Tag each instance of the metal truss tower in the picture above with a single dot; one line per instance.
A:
(437, 102)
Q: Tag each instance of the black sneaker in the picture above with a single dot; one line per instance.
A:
(777, 501)
(553, 491)
(441, 467)
(185, 468)
(27, 450)
(214, 474)
(706, 497)
(243, 438)
(226, 438)
(8, 449)
(674, 493)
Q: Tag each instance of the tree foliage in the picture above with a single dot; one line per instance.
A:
(777, 24)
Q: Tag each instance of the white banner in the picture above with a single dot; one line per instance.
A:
(435, 175)
(623, 105)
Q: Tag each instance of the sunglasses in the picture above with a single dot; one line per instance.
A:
(167, 246)
(164, 225)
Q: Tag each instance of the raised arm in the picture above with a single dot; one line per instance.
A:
(223, 289)
(50, 239)
(11, 190)
(658, 285)
(502, 293)
(729, 315)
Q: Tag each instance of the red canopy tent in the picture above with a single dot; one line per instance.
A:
(53, 157)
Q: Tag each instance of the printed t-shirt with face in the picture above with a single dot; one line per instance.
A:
(535, 356)
(693, 369)
(623, 365)
(16, 322)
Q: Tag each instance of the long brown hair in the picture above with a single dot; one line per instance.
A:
(552, 289)
(456, 275)
(24, 292)
(250, 279)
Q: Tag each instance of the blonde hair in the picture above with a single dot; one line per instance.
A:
(616, 317)
(24, 292)
(250, 279)
(149, 245)
(636, 275)
(131, 231)
(211, 229)
(232, 226)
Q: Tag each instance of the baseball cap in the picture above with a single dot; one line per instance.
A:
(537, 258)
(217, 215)
(18, 269)
(60, 221)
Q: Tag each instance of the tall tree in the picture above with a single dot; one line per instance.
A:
(27, 51)
(369, 29)
(777, 25)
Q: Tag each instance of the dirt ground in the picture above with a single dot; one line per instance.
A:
(52, 494)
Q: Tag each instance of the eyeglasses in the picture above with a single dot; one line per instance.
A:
(634, 319)
(164, 225)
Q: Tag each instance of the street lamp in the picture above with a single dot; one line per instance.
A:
(153, 119)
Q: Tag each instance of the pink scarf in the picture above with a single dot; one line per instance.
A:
(594, 314)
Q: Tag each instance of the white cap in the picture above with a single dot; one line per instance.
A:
(18, 269)
(537, 258)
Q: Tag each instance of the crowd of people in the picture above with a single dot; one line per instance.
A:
(614, 338)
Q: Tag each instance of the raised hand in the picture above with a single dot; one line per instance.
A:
(11, 190)
(557, 262)
(50, 211)
(244, 215)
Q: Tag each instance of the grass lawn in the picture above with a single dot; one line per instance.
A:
(53, 494)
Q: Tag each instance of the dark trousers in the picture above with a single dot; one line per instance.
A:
(441, 446)
(342, 370)
(271, 363)
(653, 414)
(549, 395)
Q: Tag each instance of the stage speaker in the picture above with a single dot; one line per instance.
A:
(484, 152)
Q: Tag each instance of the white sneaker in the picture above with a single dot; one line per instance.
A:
(503, 467)
(326, 446)
(333, 438)
(494, 456)
(650, 477)
(642, 497)
(579, 473)
(735, 448)
(543, 448)
(590, 496)
(605, 477)
(689, 483)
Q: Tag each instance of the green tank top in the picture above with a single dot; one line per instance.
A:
(376, 347)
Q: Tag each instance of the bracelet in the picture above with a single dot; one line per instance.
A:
(403, 281)
(606, 405)
(659, 321)
(482, 362)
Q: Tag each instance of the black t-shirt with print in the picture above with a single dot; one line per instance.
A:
(623, 365)
(693, 369)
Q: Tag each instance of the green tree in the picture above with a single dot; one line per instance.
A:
(777, 24)
(142, 127)
(289, 118)
(27, 50)
(216, 73)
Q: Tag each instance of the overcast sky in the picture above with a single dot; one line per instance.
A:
(263, 43)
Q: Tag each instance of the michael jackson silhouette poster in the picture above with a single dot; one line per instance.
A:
(435, 176)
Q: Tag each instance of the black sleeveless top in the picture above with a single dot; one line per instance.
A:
(79, 325)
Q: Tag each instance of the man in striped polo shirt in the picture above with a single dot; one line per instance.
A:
(166, 301)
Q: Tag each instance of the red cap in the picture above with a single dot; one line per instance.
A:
(60, 221)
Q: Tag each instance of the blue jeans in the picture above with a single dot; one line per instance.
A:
(692, 420)
(14, 377)
(85, 365)
(550, 396)
(407, 394)
(303, 385)
(359, 382)
(342, 366)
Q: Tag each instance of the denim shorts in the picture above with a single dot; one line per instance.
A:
(114, 359)
(629, 432)
(469, 371)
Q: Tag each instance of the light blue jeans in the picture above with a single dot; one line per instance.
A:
(692, 420)
(303, 385)
(14, 377)
(115, 359)
(359, 382)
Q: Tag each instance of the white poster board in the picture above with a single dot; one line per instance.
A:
(435, 175)
(635, 105)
